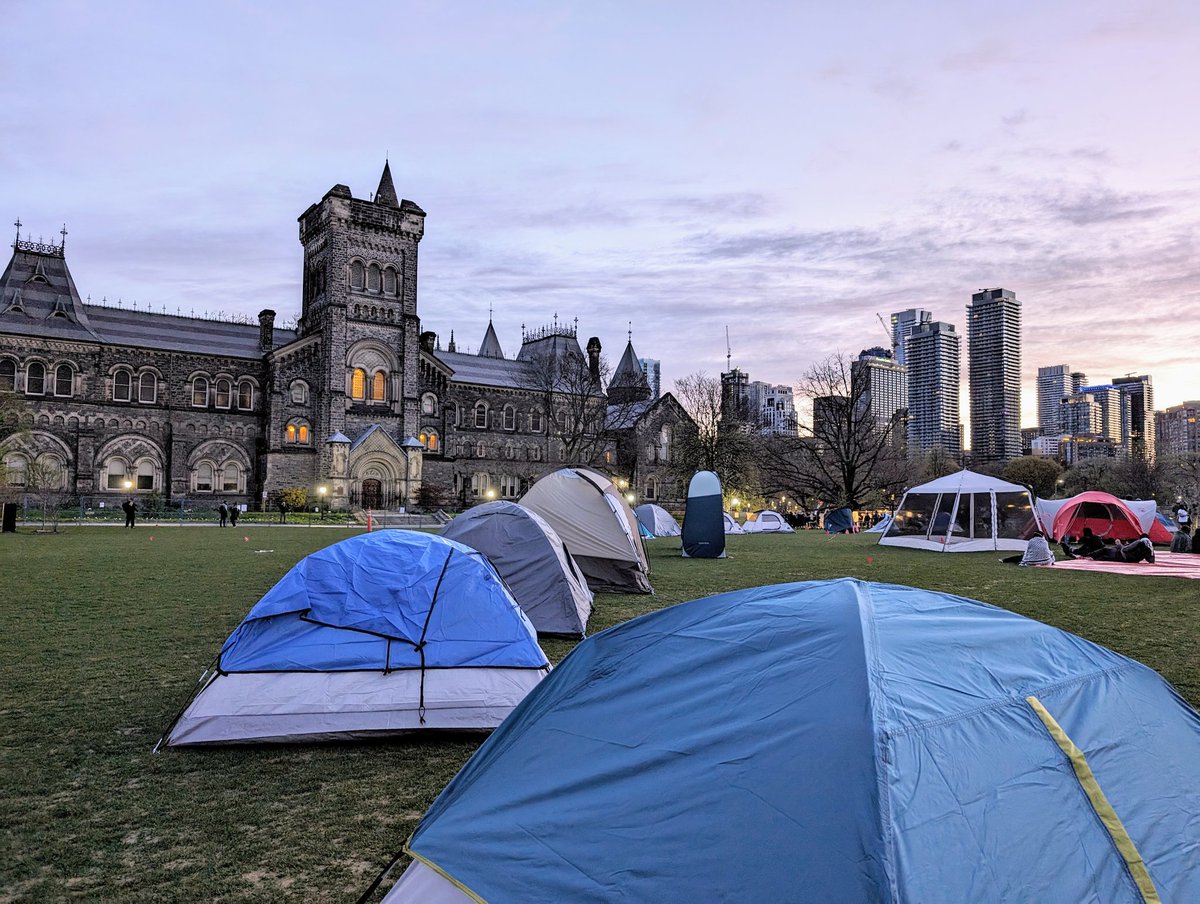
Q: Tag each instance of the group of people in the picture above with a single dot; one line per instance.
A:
(229, 514)
(1092, 547)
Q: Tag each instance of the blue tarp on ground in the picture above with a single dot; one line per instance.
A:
(364, 603)
(827, 741)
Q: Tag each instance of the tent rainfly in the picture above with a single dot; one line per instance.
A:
(383, 632)
(533, 562)
(1105, 514)
(705, 522)
(657, 520)
(963, 512)
(873, 743)
(881, 525)
(839, 521)
(731, 525)
(594, 521)
(767, 523)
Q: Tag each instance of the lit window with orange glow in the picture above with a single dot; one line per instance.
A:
(378, 386)
(358, 384)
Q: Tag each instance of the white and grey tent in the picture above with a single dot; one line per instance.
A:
(530, 557)
(596, 524)
(731, 525)
(881, 525)
(963, 512)
(657, 520)
(384, 632)
(767, 523)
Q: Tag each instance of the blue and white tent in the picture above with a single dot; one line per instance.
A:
(704, 520)
(827, 741)
(387, 631)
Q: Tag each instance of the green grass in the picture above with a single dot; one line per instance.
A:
(104, 632)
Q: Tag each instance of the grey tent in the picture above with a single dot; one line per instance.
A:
(657, 520)
(528, 554)
(596, 523)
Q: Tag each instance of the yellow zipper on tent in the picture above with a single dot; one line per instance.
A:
(1095, 794)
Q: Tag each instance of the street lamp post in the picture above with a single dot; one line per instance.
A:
(321, 490)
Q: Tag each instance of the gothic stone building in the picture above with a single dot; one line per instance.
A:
(355, 405)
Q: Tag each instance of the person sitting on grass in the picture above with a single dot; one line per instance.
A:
(1182, 541)
(1037, 552)
(1088, 544)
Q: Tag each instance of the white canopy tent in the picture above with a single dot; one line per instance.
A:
(963, 512)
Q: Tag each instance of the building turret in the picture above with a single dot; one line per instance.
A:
(628, 383)
(266, 330)
(593, 353)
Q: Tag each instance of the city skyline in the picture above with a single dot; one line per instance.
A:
(825, 174)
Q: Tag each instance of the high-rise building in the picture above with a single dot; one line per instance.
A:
(652, 368)
(1176, 430)
(1114, 411)
(994, 371)
(881, 384)
(1054, 384)
(1080, 414)
(934, 361)
(772, 406)
(904, 324)
(1139, 390)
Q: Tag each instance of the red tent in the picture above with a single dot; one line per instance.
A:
(1104, 513)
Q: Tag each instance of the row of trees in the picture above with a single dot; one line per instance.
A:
(849, 457)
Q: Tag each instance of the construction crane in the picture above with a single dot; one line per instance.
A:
(887, 329)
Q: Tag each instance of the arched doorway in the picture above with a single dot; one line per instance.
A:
(372, 493)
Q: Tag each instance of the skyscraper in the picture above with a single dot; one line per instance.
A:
(652, 368)
(1139, 390)
(1054, 384)
(934, 356)
(884, 386)
(994, 371)
(1114, 411)
(904, 324)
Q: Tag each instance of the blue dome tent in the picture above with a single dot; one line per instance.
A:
(383, 632)
(840, 741)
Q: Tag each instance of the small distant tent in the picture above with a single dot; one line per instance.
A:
(881, 525)
(839, 521)
(533, 562)
(657, 520)
(843, 741)
(705, 523)
(767, 523)
(1105, 514)
(731, 525)
(963, 512)
(384, 632)
(596, 524)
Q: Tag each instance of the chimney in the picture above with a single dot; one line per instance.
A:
(266, 330)
(593, 351)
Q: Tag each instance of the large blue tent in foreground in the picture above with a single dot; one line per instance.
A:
(827, 741)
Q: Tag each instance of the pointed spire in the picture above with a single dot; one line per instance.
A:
(628, 383)
(451, 347)
(490, 347)
(386, 193)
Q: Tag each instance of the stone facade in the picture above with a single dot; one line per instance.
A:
(356, 401)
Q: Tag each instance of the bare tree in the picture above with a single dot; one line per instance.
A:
(716, 441)
(572, 402)
(44, 478)
(848, 456)
(1180, 478)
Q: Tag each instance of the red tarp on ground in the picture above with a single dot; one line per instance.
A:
(1166, 565)
(1106, 515)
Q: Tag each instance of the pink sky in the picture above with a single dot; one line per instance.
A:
(786, 169)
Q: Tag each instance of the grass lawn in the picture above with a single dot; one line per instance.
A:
(105, 630)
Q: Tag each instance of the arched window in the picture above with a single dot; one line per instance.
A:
(232, 476)
(357, 275)
(297, 433)
(51, 472)
(35, 379)
(147, 388)
(379, 386)
(8, 375)
(291, 433)
(245, 395)
(510, 451)
(373, 278)
(64, 380)
(428, 404)
(299, 392)
(510, 417)
(429, 439)
(535, 421)
(480, 450)
(302, 435)
(224, 393)
(200, 392)
(116, 474)
(664, 445)
(481, 413)
(479, 484)
(358, 384)
(121, 386)
(204, 477)
(145, 475)
(16, 467)
(651, 488)
(389, 281)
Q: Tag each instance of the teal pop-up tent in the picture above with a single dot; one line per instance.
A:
(827, 741)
